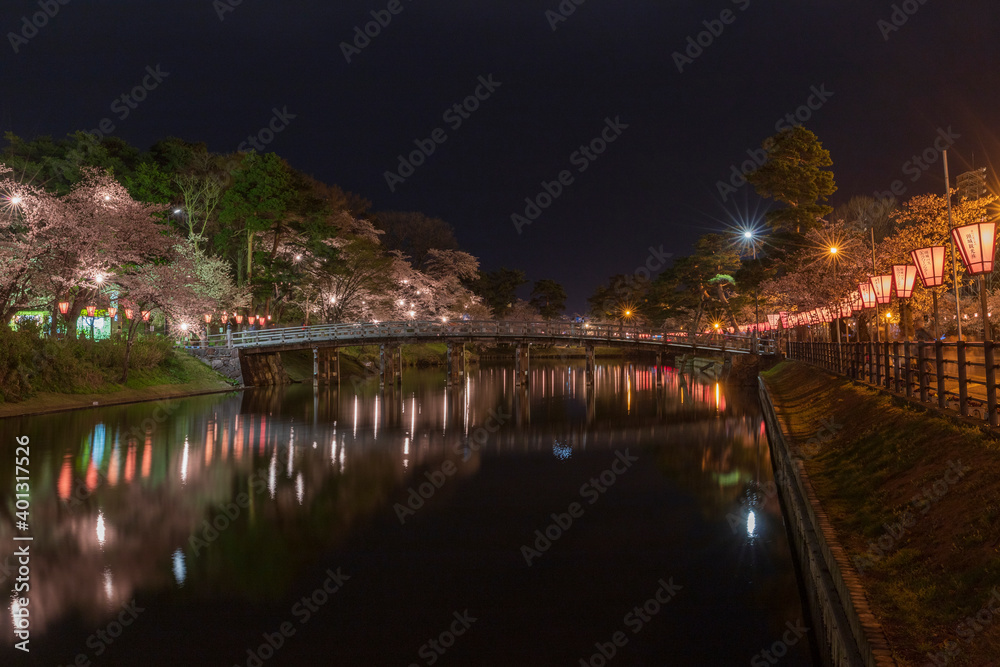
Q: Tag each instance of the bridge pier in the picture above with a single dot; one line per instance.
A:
(521, 361)
(591, 364)
(326, 365)
(390, 364)
(262, 369)
(456, 363)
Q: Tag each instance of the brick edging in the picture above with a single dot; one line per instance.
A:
(835, 585)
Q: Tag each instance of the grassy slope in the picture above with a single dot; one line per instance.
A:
(186, 375)
(942, 569)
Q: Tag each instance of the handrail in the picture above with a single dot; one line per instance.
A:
(363, 331)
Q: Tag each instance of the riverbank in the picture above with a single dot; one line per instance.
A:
(914, 500)
(188, 377)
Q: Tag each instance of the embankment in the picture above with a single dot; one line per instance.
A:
(896, 514)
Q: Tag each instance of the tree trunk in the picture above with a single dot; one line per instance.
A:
(249, 256)
(129, 340)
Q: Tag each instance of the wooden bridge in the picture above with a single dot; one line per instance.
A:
(258, 349)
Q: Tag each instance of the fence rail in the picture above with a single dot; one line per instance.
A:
(959, 376)
(360, 332)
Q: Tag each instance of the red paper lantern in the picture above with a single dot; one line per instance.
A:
(930, 264)
(903, 277)
(91, 310)
(112, 311)
(64, 307)
(145, 315)
(976, 244)
(208, 318)
(239, 319)
(784, 318)
(882, 288)
(225, 318)
(128, 313)
(867, 293)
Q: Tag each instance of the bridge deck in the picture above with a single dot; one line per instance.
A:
(373, 333)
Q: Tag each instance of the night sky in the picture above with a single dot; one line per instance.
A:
(885, 94)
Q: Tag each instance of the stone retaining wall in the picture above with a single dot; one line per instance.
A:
(223, 360)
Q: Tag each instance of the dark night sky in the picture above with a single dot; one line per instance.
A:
(655, 185)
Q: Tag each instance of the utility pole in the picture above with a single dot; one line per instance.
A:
(951, 243)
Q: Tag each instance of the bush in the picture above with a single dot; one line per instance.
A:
(30, 363)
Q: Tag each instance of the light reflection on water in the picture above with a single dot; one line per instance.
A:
(120, 493)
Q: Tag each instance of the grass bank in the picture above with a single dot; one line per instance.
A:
(914, 498)
(182, 375)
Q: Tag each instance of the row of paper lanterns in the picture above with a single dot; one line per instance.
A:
(976, 244)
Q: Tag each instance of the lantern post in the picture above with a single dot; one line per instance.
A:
(903, 278)
(951, 240)
(930, 265)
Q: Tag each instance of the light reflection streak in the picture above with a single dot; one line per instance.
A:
(300, 488)
(101, 529)
(291, 453)
(108, 587)
(272, 474)
(114, 466)
(184, 461)
(147, 457)
(180, 568)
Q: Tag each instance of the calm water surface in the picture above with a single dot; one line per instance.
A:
(482, 524)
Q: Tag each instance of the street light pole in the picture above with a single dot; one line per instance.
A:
(951, 241)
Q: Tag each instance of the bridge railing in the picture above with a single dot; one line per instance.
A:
(359, 332)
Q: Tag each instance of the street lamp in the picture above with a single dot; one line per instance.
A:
(977, 243)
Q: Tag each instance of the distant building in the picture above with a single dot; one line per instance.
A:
(972, 184)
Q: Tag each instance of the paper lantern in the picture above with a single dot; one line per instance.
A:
(903, 277)
(930, 264)
(882, 288)
(976, 244)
